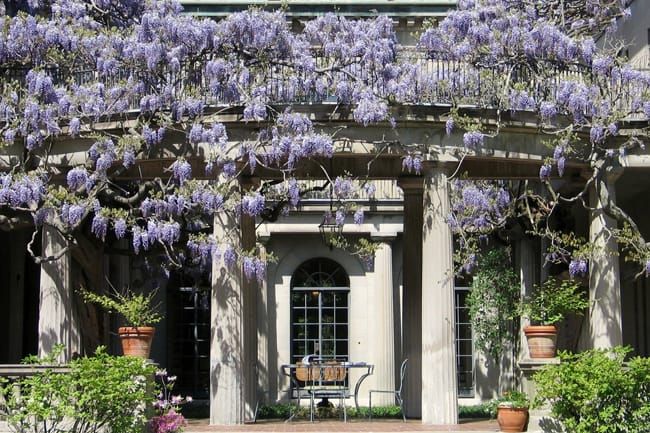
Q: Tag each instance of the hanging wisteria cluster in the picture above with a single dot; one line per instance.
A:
(139, 80)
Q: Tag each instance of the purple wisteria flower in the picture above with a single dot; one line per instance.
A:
(252, 204)
(473, 140)
(343, 187)
(293, 192)
(229, 257)
(74, 126)
(370, 189)
(449, 125)
(182, 170)
(77, 177)
(548, 110)
(578, 267)
(248, 264)
(128, 158)
(358, 216)
(597, 134)
(561, 163)
(545, 171)
(340, 217)
(99, 226)
(119, 226)
(412, 163)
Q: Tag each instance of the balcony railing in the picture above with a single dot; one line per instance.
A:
(436, 82)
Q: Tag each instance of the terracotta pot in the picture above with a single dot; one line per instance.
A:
(136, 341)
(541, 340)
(512, 419)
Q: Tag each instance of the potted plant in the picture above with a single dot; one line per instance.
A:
(512, 411)
(139, 315)
(547, 305)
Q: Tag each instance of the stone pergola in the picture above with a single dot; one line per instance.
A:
(428, 303)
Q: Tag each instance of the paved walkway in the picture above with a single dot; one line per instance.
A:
(383, 426)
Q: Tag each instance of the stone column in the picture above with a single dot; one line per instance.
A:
(527, 262)
(412, 294)
(381, 316)
(605, 323)
(233, 344)
(439, 382)
(57, 318)
(263, 366)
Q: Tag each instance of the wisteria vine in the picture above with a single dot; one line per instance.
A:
(138, 81)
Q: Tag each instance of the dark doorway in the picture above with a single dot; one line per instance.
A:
(188, 351)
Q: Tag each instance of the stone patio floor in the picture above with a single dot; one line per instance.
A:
(355, 425)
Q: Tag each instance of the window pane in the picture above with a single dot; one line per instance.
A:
(328, 315)
(312, 315)
(328, 299)
(312, 299)
(341, 316)
(464, 346)
(327, 331)
(328, 348)
(312, 331)
(342, 332)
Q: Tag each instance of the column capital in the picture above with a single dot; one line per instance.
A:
(411, 184)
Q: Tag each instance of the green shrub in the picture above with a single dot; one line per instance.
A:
(595, 391)
(483, 410)
(98, 392)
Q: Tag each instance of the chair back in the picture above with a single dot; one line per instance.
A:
(306, 373)
(334, 372)
(402, 373)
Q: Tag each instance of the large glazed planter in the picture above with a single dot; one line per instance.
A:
(136, 341)
(541, 340)
(512, 419)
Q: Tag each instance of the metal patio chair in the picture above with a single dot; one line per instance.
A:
(397, 392)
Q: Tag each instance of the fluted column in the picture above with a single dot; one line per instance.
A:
(381, 315)
(263, 367)
(605, 323)
(527, 263)
(412, 294)
(58, 321)
(439, 387)
(233, 344)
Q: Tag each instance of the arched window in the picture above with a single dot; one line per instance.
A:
(319, 310)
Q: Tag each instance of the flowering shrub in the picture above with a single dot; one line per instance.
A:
(168, 418)
(97, 392)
